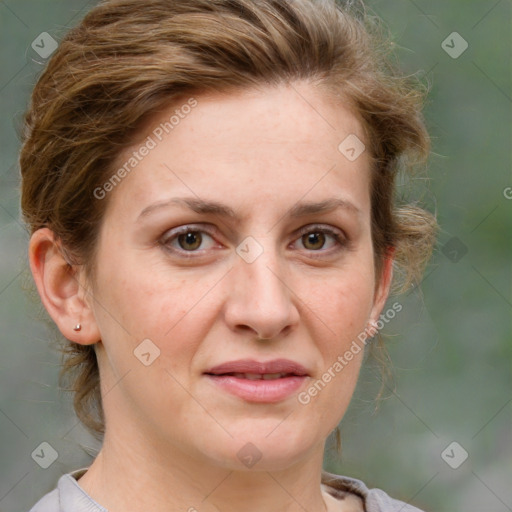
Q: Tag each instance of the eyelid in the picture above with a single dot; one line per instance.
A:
(172, 234)
(322, 228)
(339, 236)
(185, 228)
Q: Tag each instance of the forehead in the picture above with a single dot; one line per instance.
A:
(277, 143)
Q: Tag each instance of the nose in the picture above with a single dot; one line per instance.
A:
(260, 300)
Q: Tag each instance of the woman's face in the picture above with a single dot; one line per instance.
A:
(211, 252)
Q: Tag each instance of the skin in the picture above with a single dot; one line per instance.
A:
(172, 437)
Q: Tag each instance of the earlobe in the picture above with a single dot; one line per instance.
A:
(384, 285)
(58, 284)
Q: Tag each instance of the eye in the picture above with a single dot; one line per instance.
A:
(191, 241)
(314, 238)
(187, 239)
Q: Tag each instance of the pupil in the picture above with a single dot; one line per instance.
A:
(315, 239)
(190, 240)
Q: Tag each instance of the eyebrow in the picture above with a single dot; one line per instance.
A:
(212, 207)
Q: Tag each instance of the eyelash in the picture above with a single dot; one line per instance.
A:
(340, 240)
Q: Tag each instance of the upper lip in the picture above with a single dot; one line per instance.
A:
(252, 366)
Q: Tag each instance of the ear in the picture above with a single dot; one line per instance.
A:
(60, 289)
(384, 285)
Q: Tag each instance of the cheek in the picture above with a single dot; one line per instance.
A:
(138, 302)
(342, 302)
(345, 314)
(339, 310)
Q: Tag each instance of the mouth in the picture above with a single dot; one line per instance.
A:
(249, 368)
(253, 381)
(256, 376)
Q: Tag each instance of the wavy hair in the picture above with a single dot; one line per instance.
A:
(127, 60)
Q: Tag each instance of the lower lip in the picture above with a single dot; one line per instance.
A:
(265, 391)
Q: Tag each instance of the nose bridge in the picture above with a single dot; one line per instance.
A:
(262, 270)
(261, 300)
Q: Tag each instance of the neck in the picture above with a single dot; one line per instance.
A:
(131, 474)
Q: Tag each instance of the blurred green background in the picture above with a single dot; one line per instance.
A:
(451, 344)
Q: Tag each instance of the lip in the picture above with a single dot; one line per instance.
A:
(252, 366)
(261, 391)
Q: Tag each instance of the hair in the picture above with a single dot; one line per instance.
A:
(128, 60)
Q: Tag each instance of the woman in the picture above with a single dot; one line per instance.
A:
(209, 185)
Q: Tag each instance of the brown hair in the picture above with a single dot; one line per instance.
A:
(129, 59)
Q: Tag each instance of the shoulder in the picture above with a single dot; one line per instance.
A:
(375, 500)
(48, 503)
(68, 496)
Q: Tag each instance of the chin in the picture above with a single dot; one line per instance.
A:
(263, 449)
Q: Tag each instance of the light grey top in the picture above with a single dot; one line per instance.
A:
(68, 496)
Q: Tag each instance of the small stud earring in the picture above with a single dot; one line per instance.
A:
(78, 327)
